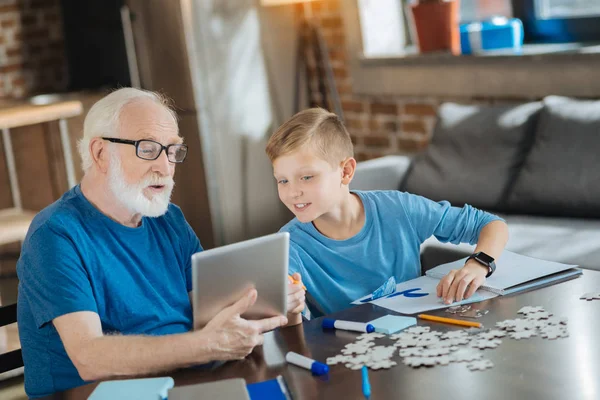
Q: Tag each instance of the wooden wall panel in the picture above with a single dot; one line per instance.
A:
(190, 191)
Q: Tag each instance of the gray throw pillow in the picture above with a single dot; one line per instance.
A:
(475, 153)
(561, 175)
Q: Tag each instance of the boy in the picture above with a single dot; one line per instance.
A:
(345, 244)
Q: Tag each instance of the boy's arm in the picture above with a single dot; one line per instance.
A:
(462, 283)
(458, 225)
(296, 301)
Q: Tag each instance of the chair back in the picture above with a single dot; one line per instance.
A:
(12, 359)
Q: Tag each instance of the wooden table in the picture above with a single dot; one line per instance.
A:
(534, 368)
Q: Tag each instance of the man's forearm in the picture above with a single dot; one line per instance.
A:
(493, 238)
(118, 355)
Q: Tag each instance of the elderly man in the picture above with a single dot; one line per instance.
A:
(105, 272)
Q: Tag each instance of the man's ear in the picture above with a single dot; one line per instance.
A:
(100, 154)
(348, 169)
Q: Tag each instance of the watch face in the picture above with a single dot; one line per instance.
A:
(485, 258)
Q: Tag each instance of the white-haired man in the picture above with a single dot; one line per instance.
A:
(105, 274)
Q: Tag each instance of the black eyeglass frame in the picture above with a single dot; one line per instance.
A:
(136, 143)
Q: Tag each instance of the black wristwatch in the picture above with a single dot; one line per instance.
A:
(484, 260)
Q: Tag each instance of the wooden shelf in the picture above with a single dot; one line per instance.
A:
(29, 114)
(14, 224)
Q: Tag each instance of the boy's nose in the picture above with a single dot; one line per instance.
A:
(296, 193)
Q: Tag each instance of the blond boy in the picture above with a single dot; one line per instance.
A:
(345, 243)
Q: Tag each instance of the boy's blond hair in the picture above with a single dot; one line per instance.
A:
(316, 127)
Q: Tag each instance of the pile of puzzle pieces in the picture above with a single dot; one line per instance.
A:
(420, 346)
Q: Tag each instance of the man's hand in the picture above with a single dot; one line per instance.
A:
(296, 300)
(462, 283)
(231, 337)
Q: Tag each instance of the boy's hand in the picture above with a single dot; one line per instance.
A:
(462, 283)
(295, 300)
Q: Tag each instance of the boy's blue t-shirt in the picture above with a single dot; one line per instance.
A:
(337, 272)
(75, 258)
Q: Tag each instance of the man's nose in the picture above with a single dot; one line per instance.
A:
(162, 165)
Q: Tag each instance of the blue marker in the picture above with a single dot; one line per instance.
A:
(329, 323)
(315, 367)
(366, 386)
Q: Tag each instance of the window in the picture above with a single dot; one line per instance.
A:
(383, 28)
(549, 9)
(385, 23)
(559, 21)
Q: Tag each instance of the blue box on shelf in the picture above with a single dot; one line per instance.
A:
(494, 34)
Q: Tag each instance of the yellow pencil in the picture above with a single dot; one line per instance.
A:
(292, 280)
(450, 320)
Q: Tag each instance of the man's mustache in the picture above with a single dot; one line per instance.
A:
(157, 180)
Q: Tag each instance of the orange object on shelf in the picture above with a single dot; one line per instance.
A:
(437, 25)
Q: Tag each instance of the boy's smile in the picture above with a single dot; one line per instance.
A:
(301, 206)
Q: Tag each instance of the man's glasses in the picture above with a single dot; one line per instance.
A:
(150, 150)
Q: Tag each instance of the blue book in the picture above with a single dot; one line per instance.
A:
(274, 389)
(133, 389)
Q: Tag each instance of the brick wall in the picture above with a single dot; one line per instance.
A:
(378, 125)
(32, 56)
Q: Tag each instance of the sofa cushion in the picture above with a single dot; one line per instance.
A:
(561, 175)
(565, 240)
(383, 173)
(475, 153)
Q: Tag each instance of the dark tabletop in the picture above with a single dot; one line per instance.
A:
(535, 368)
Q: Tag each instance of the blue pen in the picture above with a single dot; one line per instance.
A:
(329, 323)
(366, 386)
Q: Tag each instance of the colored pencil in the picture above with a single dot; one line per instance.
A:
(450, 320)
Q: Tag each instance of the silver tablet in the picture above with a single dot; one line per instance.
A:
(222, 275)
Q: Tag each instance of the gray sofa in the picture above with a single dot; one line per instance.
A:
(535, 164)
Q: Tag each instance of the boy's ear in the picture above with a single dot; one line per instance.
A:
(348, 168)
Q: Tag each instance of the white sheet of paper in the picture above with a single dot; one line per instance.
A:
(405, 304)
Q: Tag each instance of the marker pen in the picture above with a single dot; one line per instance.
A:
(315, 367)
(329, 323)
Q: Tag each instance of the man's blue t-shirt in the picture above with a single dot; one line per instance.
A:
(337, 272)
(75, 258)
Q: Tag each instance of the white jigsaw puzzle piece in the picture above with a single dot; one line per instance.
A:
(486, 344)
(418, 330)
(539, 315)
(522, 334)
(590, 296)
(417, 362)
(491, 334)
(370, 336)
(554, 332)
(480, 365)
(466, 354)
(383, 364)
(530, 310)
(454, 334)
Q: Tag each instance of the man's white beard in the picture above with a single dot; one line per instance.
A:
(132, 195)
